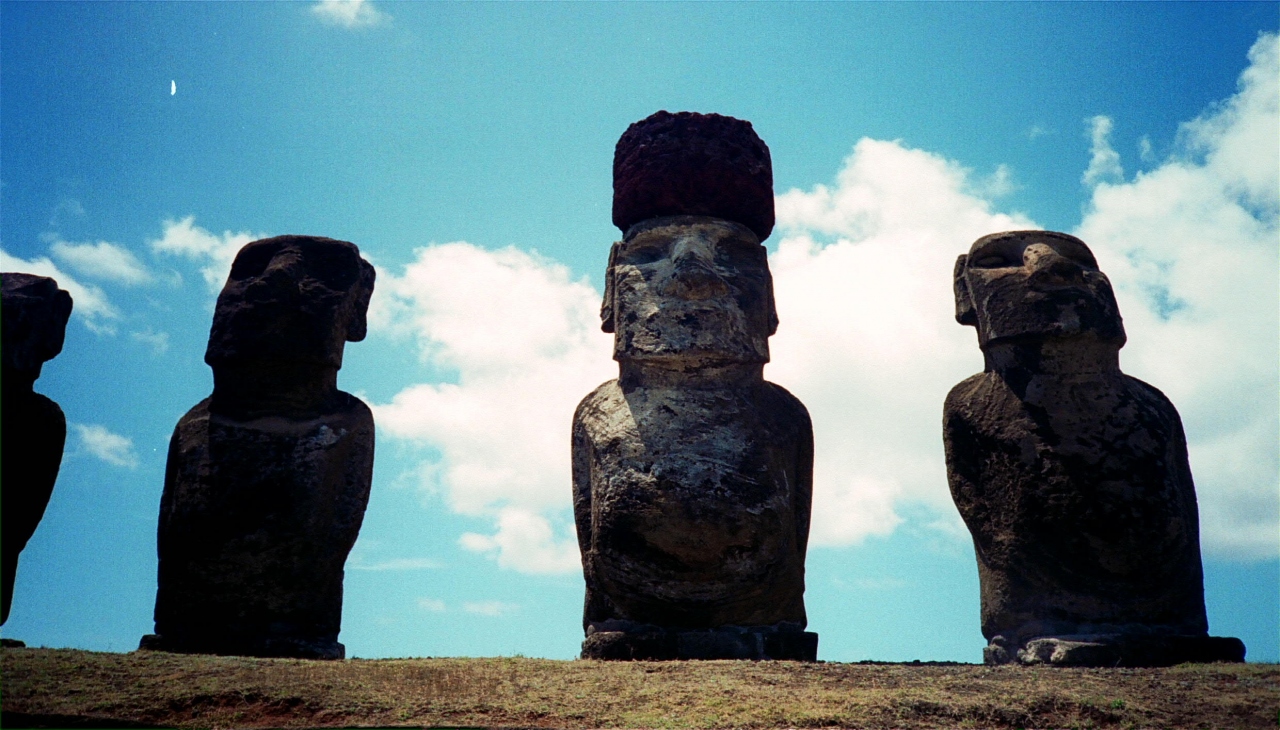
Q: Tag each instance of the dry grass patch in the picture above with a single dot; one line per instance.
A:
(219, 692)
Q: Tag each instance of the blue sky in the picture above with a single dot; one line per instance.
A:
(467, 149)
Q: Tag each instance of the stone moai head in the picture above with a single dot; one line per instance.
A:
(35, 322)
(291, 299)
(689, 283)
(1028, 285)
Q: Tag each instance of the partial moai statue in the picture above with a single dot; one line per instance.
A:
(32, 427)
(1071, 476)
(268, 478)
(692, 476)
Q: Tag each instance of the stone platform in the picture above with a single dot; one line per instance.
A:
(725, 642)
(255, 646)
(1117, 650)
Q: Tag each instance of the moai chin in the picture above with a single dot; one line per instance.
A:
(1071, 476)
(692, 475)
(35, 313)
(268, 478)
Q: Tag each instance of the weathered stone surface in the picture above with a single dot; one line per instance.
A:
(692, 475)
(1071, 476)
(34, 430)
(268, 479)
(693, 164)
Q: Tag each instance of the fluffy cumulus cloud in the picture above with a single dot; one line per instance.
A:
(1193, 248)
(90, 304)
(212, 252)
(524, 340)
(862, 277)
(867, 340)
(102, 260)
(110, 447)
(349, 13)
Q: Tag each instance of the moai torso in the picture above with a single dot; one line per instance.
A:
(268, 479)
(33, 427)
(692, 474)
(1072, 477)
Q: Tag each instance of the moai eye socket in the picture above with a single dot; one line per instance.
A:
(734, 251)
(252, 260)
(643, 250)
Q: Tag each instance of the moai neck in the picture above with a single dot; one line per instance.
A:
(256, 390)
(652, 374)
(18, 382)
(1052, 361)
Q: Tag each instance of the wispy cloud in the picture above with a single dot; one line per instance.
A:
(349, 13)
(434, 605)
(157, 341)
(490, 608)
(1104, 163)
(397, 564)
(216, 252)
(89, 303)
(102, 260)
(110, 447)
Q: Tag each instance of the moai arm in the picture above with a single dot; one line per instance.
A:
(964, 465)
(581, 455)
(803, 504)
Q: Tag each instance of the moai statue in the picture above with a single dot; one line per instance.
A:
(268, 478)
(1071, 476)
(32, 427)
(692, 476)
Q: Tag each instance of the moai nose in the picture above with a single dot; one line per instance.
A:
(282, 273)
(693, 276)
(1049, 266)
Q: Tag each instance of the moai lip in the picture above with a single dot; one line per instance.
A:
(692, 474)
(35, 315)
(1071, 476)
(268, 478)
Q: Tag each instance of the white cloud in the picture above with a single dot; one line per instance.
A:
(525, 342)
(1104, 165)
(397, 564)
(490, 608)
(215, 252)
(1193, 248)
(102, 260)
(526, 542)
(349, 13)
(110, 447)
(867, 340)
(157, 341)
(435, 605)
(89, 303)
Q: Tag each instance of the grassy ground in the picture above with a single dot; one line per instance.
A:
(64, 687)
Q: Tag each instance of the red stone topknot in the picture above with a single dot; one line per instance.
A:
(693, 164)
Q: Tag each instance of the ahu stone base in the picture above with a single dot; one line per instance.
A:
(1116, 650)
(726, 642)
(285, 647)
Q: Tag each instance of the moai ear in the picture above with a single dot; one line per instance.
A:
(606, 307)
(773, 310)
(358, 325)
(965, 313)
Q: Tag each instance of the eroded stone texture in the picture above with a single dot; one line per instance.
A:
(1071, 476)
(34, 430)
(692, 475)
(268, 478)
